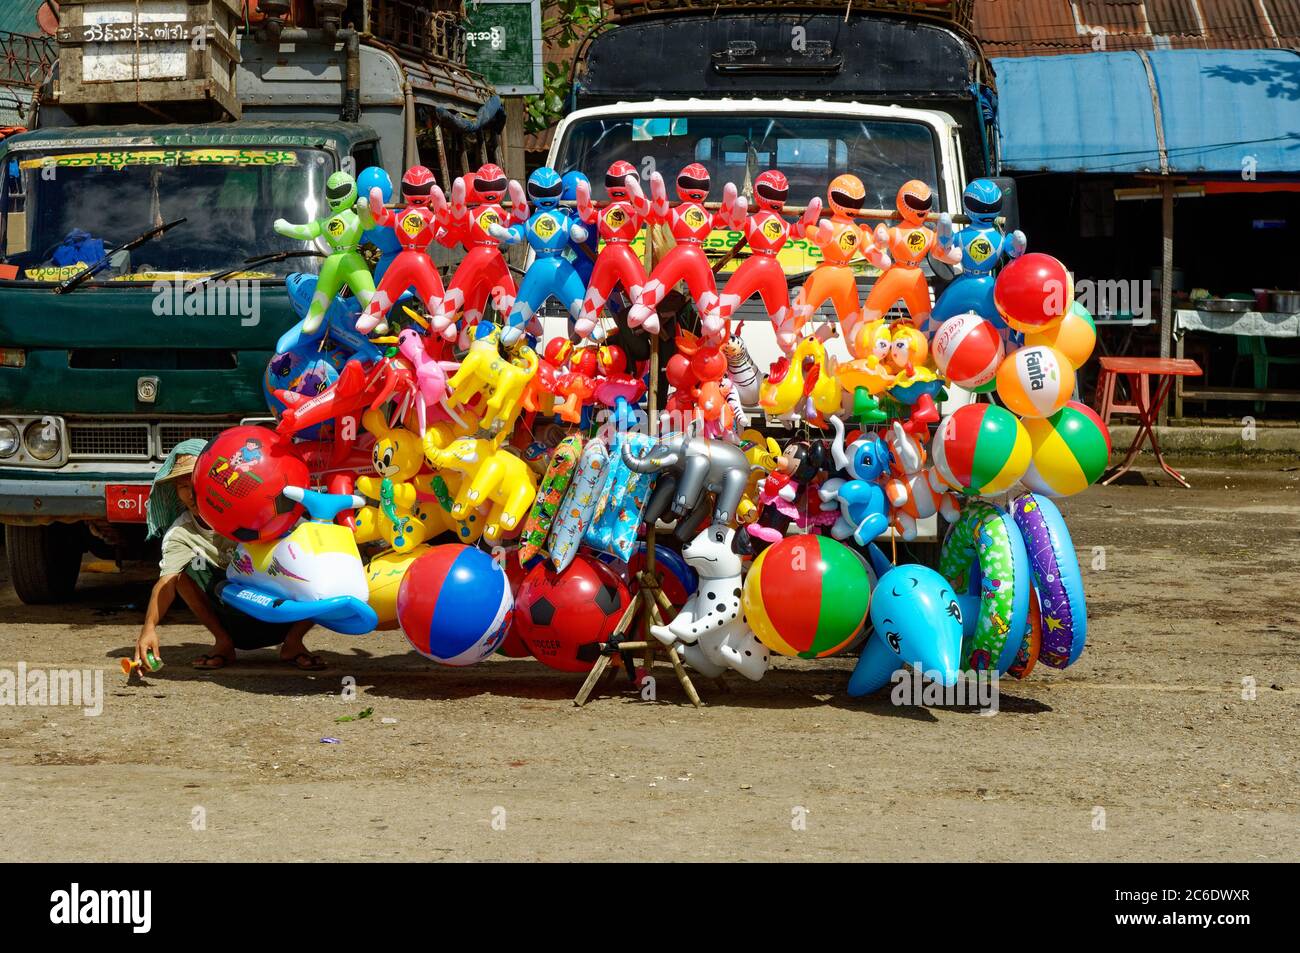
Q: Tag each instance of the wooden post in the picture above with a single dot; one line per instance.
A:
(1167, 282)
(513, 136)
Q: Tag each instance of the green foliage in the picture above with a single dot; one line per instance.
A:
(564, 24)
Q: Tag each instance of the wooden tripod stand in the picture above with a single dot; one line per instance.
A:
(649, 604)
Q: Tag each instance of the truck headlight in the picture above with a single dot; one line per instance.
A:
(42, 439)
(8, 440)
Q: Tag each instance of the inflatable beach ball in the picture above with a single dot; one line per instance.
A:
(981, 449)
(1033, 292)
(1075, 336)
(237, 482)
(807, 596)
(1069, 451)
(1035, 381)
(967, 350)
(453, 604)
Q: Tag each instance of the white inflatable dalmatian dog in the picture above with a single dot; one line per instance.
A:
(710, 633)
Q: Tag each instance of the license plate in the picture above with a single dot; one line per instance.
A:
(124, 502)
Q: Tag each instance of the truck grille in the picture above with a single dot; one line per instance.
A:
(108, 440)
(169, 435)
(112, 441)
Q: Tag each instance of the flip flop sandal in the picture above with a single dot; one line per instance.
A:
(306, 662)
(201, 663)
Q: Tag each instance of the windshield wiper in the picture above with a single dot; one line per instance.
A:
(259, 260)
(68, 284)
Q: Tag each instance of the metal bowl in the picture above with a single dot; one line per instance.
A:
(1225, 305)
(1286, 302)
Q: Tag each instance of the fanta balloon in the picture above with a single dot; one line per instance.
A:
(981, 449)
(967, 350)
(1075, 336)
(807, 596)
(453, 604)
(1069, 450)
(1035, 381)
(1033, 292)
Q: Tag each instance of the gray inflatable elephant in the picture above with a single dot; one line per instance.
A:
(689, 468)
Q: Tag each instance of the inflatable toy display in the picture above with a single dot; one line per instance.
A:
(496, 489)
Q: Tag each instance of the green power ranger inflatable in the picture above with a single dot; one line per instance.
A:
(349, 220)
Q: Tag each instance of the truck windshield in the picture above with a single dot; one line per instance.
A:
(63, 210)
(810, 149)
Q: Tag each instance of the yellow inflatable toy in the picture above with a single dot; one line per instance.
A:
(491, 475)
(384, 576)
(502, 381)
(806, 377)
(399, 519)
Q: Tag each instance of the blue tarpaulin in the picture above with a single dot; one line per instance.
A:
(1214, 112)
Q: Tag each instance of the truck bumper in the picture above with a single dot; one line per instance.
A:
(42, 501)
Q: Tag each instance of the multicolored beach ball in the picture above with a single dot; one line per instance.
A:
(981, 449)
(1075, 336)
(806, 596)
(1069, 451)
(453, 604)
(967, 350)
(1035, 381)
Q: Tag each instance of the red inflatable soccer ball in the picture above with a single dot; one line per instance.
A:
(1033, 292)
(557, 613)
(237, 482)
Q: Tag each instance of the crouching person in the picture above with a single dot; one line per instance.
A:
(194, 559)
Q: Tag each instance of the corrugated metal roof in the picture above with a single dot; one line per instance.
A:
(1039, 27)
(19, 16)
(1222, 112)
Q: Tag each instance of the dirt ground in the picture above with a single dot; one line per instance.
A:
(494, 762)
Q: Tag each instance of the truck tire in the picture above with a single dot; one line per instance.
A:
(44, 561)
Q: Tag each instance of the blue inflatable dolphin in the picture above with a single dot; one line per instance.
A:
(915, 618)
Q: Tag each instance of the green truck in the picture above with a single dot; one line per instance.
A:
(103, 372)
